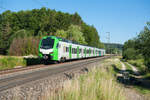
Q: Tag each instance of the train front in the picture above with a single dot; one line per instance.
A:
(47, 48)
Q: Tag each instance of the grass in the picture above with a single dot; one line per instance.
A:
(98, 84)
(11, 62)
(139, 63)
(142, 90)
(128, 67)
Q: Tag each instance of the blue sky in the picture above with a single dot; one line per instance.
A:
(122, 18)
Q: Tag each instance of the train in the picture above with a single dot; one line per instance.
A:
(52, 48)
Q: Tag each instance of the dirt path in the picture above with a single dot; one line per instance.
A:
(133, 95)
(130, 93)
(134, 69)
(123, 66)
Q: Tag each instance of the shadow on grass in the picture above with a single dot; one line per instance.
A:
(129, 78)
(33, 61)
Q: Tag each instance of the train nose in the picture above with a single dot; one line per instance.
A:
(45, 57)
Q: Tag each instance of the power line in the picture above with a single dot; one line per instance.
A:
(108, 37)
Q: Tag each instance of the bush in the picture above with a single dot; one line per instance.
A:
(147, 63)
(24, 46)
(140, 64)
(11, 62)
(130, 53)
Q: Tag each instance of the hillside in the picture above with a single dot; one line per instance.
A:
(113, 48)
(25, 28)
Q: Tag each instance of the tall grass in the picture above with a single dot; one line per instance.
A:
(98, 84)
(24, 46)
(139, 63)
(11, 62)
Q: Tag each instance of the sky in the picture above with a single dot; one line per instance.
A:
(123, 19)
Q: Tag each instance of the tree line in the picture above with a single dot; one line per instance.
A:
(21, 31)
(139, 47)
(113, 48)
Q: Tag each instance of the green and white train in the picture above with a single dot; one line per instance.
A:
(58, 49)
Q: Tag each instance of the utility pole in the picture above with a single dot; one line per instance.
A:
(108, 41)
(108, 37)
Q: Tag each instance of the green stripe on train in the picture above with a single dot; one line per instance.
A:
(77, 51)
(70, 53)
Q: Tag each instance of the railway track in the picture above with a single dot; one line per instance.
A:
(54, 69)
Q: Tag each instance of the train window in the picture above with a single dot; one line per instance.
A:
(84, 51)
(72, 51)
(57, 45)
(67, 49)
(75, 51)
(80, 50)
(87, 51)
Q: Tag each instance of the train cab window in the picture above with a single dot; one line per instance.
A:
(57, 45)
(47, 43)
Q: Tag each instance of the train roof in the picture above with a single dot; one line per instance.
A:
(73, 42)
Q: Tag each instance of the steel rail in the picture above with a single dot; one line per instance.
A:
(28, 77)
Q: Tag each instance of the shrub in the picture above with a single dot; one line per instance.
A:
(24, 46)
(139, 63)
(11, 62)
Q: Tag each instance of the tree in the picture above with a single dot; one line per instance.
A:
(61, 33)
(42, 22)
(139, 47)
(4, 36)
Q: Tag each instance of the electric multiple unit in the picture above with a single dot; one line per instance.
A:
(58, 49)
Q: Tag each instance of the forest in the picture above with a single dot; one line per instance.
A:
(113, 48)
(139, 47)
(21, 31)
